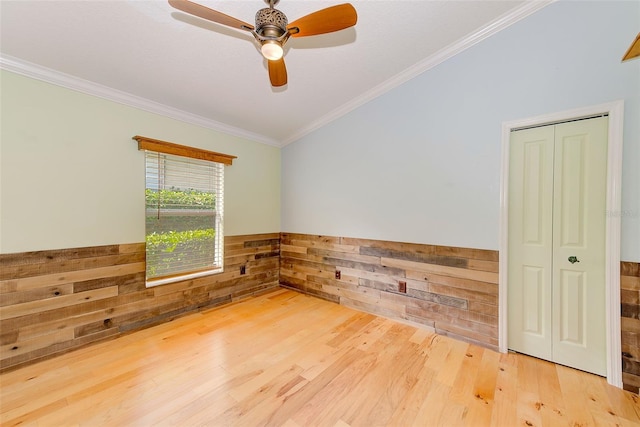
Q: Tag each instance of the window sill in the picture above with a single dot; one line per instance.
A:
(164, 281)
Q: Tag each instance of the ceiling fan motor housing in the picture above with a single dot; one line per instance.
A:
(271, 22)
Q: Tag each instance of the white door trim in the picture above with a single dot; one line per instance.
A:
(615, 110)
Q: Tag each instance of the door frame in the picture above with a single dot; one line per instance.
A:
(615, 110)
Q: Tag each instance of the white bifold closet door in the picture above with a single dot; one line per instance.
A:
(556, 268)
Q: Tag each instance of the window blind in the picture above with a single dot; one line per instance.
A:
(184, 215)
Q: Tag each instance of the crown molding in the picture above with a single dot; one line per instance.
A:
(506, 20)
(68, 81)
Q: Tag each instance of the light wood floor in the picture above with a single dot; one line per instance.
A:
(288, 359)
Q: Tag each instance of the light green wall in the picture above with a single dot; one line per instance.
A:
(71, 176)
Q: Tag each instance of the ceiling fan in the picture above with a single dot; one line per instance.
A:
(272, 29)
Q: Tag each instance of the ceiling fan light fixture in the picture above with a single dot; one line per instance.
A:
(271, 50)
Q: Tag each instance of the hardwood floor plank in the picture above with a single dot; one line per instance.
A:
(626, 405)
(391, 350)
(406, 413)
(505, 392)
(401, 377)
(551, 405)
(483, 392)
(579, 411)
(284, 358)
(315, 410)
(434, 404)
(289, 407)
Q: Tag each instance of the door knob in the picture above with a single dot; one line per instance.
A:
(573, 259)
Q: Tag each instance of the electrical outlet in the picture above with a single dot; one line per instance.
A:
(338, 275)
(243, 269)
(402, 287)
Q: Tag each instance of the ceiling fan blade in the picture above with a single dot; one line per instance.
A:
(634, 49)
(210, 14)
(277, 72)
(334, 18)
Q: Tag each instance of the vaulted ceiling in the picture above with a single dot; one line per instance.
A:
(152, 56)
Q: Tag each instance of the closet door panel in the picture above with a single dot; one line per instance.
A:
(530, 241)
(580, 175)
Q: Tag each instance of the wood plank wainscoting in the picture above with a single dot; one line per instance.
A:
(57, 300)
(630, 325)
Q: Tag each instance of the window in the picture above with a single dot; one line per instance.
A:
(184, 200)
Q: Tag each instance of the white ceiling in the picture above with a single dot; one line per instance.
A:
(150, 55)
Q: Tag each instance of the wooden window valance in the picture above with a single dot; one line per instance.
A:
(158, 146)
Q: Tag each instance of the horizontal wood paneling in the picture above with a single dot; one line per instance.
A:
(452, 290)
(57, 300)
(630, 325)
